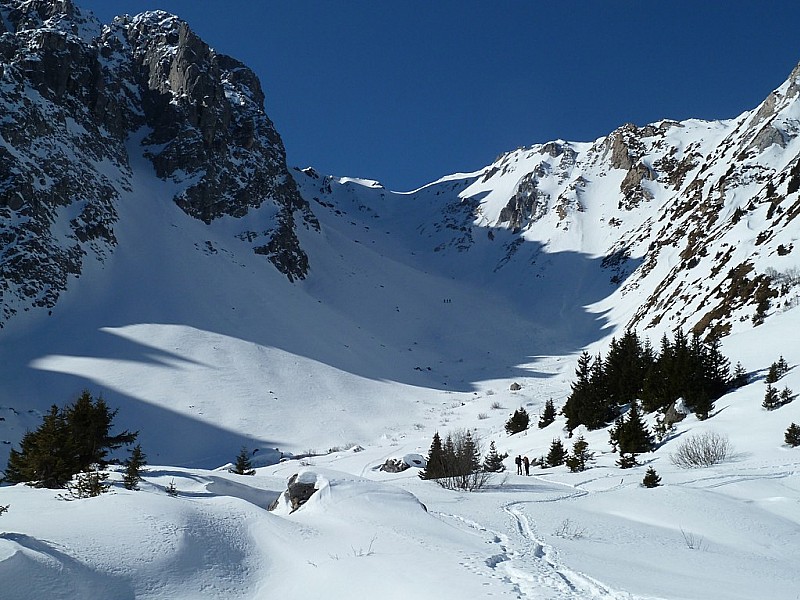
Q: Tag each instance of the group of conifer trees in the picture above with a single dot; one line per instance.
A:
(683, 367)
(456, 462)
(74, 441)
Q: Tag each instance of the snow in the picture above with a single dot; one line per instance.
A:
(396, 334)
(216, 361)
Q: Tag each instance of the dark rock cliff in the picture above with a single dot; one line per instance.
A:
(73, 93)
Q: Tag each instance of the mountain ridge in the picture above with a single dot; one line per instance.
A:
(463, 283)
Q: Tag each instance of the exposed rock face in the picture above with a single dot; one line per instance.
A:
(79, 92)
(299, 490)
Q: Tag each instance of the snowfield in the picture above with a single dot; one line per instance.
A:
(409, 323)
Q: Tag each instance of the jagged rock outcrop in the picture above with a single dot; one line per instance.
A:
(80, 94)
(299, 489)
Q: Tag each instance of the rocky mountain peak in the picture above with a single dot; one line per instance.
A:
(82, 97)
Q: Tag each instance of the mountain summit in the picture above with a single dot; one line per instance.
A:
(81, 97)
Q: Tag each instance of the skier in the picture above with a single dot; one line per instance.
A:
(527, 465)
(518, 460)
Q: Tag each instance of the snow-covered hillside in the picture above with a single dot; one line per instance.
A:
(414, 313)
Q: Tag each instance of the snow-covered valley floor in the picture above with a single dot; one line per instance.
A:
(724, 532)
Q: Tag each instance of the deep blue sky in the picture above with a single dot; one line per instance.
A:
(406, 92)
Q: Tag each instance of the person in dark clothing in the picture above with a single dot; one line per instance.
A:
(518, 460)
(527, 465)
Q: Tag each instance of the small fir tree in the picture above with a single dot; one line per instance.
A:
(133, 468)
(518, 422)
(631, 435)
(740, 376)
(580, 456)
(171, 489)
(243, 465)
(89, 483)
(435, 467)
(468, 455)
(651, 478)
(557, 454)
(627, 460)
(786, 396)
(4, 508)
(548, 416)
(792, 435)
(493, 463)
(782, 367)
(771, 398)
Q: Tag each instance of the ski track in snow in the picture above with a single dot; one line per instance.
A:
(532, 567)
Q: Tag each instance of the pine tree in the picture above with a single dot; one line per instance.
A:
(68, 442)
(46, 457)
(581, 389)
(89, 483)
(518, 422)
(771, 398)
(792, 435)
(171, 489)
(89, 422)
(243, 465)
(580, 456)
(631, 436)
(468, 455)
(435, 464)
(133, 468)
(493, 463)
(786, 396)
(651, 478)
(548, 416)
(781, 367)
(772, 374)
(627, 460)
(557, 454)
(740, 377)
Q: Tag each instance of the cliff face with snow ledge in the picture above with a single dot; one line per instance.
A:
(78, 97)
(693, 222)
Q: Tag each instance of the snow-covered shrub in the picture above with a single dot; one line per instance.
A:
(702, 450)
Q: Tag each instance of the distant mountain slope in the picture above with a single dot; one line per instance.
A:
(141, 185)
(694, 221)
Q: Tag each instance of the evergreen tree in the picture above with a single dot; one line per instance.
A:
(651, 478)
(771, 398)
(468, 455)
(171, 489)
(548, 416)
(782, 367)
(450, 456)
(46, 457)
(740, 376)
(493, 463)
(792, 435)
(435, 467)
(580, 456)
(89, 483)
(133, 468)
(89, 421)
(581, 388)
(625, 369)
(243, 465)
(631, 435)
(557, 454)
(627, 460)
(772, 374)
(68, 442)
(518, 422)
(786, 396)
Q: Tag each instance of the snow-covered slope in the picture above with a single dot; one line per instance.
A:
(380, 318)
